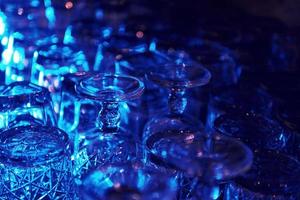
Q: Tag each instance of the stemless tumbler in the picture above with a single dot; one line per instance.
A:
(35, 164)
(23, 103)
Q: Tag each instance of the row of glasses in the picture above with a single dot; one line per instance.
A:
(174, 142)
(30, 25)
(34, 154)
(94, 103)
(51, 62)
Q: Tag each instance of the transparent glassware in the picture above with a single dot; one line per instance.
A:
(177, 78)
(23, 14)
(19, 53)
(218, 59)
(88, 33)
(76, 115)
(240, 99)
(255, 130)
(31, 24)
(152, 101)
(109, 90)
(209, 159)
(273, 176)
(127, 181)
(106, 135)
(115, 47)
(23, 103)
(35, 164)
(51, 62)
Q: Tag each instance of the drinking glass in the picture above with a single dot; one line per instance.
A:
(20, 51)
(273, 176)
(218, 59)
(106, 135)
(88, 33)
(51, 62)
(109, 90)
(31, 24)
(127, 181)
(24, 103)
(115, 47)
(240, 99)
(255, 130)
(35, 164)
(209, 158)
(177, 78)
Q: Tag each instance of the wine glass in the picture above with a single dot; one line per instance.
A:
(218, 59)
(209, 158)
(177, 78)
(273, 176)
(35, 163)
(24, 103)
(107, 134)
(127, 181)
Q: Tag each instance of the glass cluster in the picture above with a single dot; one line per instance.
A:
(113, 100)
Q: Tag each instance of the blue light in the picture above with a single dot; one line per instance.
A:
(7, 53)
(68, 38)
(4, 41)
(99, 14)
(50, 13)
(106, 32)
(17, 56)
(2, 24)
(215, 193)
(98, 59)
(152, 46)
(34, 3)
(141, 179)
(124, 111)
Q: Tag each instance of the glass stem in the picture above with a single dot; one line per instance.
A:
(177, 101)
(109, 117)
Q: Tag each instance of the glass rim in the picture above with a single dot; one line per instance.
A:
(119, 95)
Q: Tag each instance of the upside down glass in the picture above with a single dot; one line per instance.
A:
(127, 181)
(106, 133)
(177, 78)
(257, 131)
(23, 103)
(209, 159)
(35, 164)
(51, 62)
